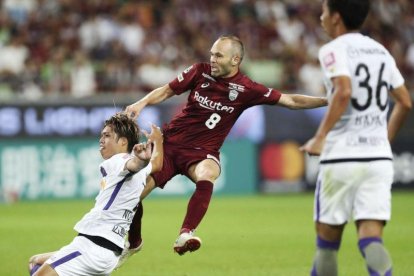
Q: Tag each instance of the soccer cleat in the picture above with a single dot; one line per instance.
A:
(187, 242)
(128, 252)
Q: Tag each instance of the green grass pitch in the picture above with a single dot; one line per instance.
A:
(249, 235)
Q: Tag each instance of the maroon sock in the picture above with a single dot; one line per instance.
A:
(134, 234)
(198, 205)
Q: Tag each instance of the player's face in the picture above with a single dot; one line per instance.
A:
(326, 20)
(221, 56)
(109, 144)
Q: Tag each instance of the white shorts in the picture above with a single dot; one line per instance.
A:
(83, 257)
(353, 190)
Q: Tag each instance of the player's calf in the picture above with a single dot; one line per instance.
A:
(376, 256)
(325, 262)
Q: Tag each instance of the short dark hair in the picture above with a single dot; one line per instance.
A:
(236, 43)
(125, 127)
(353, 12)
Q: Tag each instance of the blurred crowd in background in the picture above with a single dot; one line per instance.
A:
(82, 48)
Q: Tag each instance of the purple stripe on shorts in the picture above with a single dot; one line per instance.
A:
(65, 259)
(318, 204)
(116, 191)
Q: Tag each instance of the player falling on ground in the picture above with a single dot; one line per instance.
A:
(219, 93)
(356, 170)
(101, 232)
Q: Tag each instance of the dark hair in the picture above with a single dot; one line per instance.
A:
(236, 43)
(125, 127)
(353, 12)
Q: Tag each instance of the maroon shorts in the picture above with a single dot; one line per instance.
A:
(177, 160)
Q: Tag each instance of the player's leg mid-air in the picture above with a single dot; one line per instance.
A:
(203, 174)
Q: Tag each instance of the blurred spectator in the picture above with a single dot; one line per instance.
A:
(82, 76)
(131, 35)
(292, 29)
(5, 29)
(30, 80)
(311, 78)
(18, 10)
(153, 73)
(12, 62)
(13, 56)
(55, 73)
(136, 45)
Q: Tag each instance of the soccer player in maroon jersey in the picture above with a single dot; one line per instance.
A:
(219, 93)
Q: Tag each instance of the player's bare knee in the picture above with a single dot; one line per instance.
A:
(208, 175)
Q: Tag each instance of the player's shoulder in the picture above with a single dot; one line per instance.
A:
(116, 158)
(334, 45)
(244, 80)
(200, 67)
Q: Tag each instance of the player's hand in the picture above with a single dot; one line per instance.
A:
(155, 135)
(313, 146)
(143, 151)
(133, 110)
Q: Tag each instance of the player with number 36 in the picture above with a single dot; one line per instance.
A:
(353, 139)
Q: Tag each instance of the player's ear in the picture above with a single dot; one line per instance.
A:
(235, 60)
(123, 141)
(336, 18)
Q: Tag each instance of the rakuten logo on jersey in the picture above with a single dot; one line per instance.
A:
(209, 104)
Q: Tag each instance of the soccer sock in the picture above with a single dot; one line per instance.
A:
(134, 234)
(376, 256)
(197, 206)
(325, 262)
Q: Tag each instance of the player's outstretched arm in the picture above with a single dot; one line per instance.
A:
(402, 107)
(337, 107)
(142, 152)
(297, 101)
(157, 95)
(157, 157)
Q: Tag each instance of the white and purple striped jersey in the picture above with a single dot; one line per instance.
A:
(116, 202)
(361, 132)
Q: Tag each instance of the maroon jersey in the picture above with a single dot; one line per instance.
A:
(213, 106)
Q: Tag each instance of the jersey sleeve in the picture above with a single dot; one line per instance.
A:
(264, 95)
(332, 58)
(141, 176)
(396, 78)
(186, 80)
(115, 166)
